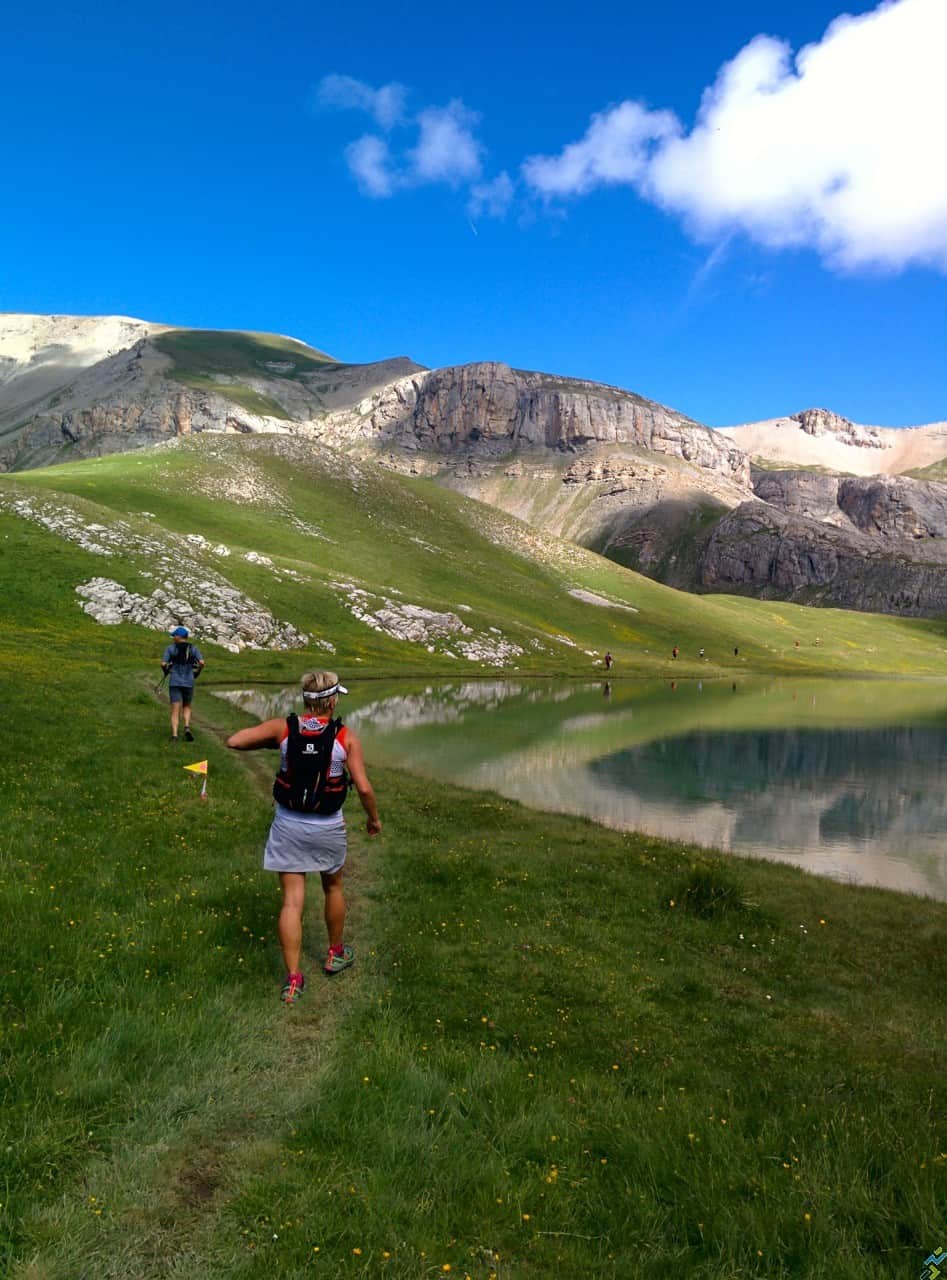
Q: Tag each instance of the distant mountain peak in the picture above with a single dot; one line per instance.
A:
(817, 421)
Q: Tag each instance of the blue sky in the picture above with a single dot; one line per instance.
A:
(193, 164)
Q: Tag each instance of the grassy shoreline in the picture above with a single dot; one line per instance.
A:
(564, 1050)
(566, 1074)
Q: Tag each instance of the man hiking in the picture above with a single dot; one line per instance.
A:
(318, 757)
(182, 663)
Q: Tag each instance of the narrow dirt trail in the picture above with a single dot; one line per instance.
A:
(167, 1218)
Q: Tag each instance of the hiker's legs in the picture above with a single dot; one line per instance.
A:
(290, 927)
(175, 696)
(335, 906)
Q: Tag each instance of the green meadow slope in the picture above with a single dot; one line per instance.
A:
(325, 520)
(563, 1051)
(226, 362)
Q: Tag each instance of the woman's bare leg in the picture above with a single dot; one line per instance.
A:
(335, 906)
(290, 927)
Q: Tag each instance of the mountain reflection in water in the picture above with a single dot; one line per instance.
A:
(842, 778)
(802, 788)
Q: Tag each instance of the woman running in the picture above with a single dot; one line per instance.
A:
(318, 757)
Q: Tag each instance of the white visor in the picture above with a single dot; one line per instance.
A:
(313, 695)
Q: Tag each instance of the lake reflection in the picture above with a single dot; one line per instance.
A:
(842, 778)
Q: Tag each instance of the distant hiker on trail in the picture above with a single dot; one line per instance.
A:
(318, 758)
(675, 651)
(700, 653)
(608, 661)
(736, 651)
(181, 664)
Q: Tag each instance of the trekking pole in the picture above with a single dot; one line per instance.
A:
(157, 688)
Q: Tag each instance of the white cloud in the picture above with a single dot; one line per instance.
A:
(447, 150)
(616, 148)
(491, 199)
(370, 163)
(840, 149)
(385, 105)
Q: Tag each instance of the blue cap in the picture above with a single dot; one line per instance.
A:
(180, 633)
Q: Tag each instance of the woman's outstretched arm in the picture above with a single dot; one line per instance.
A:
(267, 734)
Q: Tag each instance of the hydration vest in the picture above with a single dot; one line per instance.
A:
(183, 657)
(303, 782)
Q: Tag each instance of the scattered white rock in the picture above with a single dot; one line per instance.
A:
(427, 546)
(305, 527)
(414, 623)
(589, 597)
(493, 652)
(240, 481)
(225, 617)
(190, 593)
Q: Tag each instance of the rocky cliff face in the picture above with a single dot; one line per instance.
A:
(820, 422)
(490, 410)
(876, 544)
(891, 507)
(581, 460)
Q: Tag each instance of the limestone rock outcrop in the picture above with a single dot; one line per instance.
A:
(759, 550)
(892, 507)
(489, 410)
(819, 422)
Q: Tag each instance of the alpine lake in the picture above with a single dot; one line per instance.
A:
(844, 778)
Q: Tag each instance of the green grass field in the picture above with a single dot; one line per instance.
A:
(564, 1051)
(219, 361)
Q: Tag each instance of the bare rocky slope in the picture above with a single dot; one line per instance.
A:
(73, 386)
(822, 439)
(604, 467)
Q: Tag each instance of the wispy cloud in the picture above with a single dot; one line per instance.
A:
(839, 148)
(369, 161)
(447, 150)
(491, 199)
(444, 148)
(616, 149)
(385, 105)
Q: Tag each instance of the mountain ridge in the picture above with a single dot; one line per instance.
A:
(700, 509)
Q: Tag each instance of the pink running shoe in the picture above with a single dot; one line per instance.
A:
(293, 988)
(339, 958)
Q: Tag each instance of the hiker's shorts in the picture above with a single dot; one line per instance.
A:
(178, 693)
(305, 842)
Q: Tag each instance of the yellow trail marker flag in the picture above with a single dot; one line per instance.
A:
(200, 767)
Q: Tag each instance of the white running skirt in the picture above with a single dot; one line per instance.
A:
(305, 842)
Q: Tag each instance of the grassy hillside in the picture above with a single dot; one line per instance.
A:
(935, 471)
(563, 1051)
(326, 519)
(224, 361)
